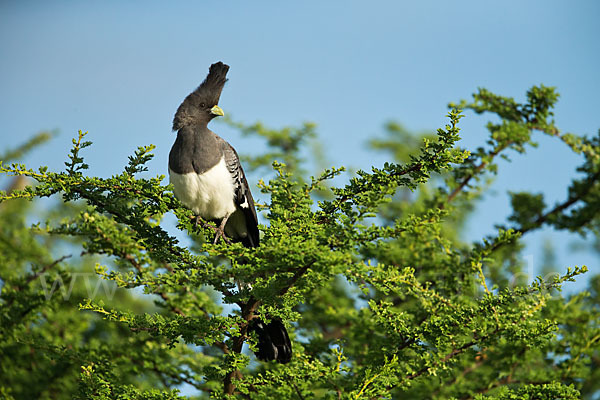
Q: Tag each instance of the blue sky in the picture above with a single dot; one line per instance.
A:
(120, 69)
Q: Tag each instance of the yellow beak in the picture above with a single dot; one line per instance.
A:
(216, 110)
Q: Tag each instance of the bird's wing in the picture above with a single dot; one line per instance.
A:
(243, 196)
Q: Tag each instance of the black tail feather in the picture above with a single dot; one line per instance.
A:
(273, 341)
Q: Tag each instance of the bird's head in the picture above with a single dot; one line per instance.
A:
(200, 106)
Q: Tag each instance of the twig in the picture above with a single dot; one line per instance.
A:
(33, 277)
(297, 390)
(453, 353)
(561, 207)
(478, 169)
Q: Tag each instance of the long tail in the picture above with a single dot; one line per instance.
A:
(273, 341)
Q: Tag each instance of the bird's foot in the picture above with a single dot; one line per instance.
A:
(220, 232)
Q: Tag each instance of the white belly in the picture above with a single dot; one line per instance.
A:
(209, 195)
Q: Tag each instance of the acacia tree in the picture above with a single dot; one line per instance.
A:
(381, 296)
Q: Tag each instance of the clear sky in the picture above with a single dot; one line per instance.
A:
(120, 69)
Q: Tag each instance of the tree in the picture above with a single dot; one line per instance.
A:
(381, 296)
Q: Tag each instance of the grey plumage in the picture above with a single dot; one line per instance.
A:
(208, 178)
(198, 152)
(195, 109)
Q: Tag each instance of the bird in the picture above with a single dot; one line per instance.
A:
(208, 178)
(205, 170)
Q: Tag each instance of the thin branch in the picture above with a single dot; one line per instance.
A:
(33, 277)
(477, 170)
(45, 269)
(542, 219)
(165, 297)
(295, 278)
(450, 355)
(453, 353)
(297, 390)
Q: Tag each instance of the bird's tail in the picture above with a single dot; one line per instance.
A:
(273, 341)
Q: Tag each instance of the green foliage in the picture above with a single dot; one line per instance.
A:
(284, 144)
(381, 296)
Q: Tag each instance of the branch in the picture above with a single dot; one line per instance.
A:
(248, 309)
(131, 259)
(450, 355)
(297, 390)
(477, 170)
(45, 269)
(295, 278)
(453, 353)
(542, 219)
(33, 277)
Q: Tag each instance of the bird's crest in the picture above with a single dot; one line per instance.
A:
(208, 93)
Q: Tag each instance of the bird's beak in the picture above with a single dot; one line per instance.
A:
(216, 110)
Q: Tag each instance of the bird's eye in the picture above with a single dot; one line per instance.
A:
(202, 105)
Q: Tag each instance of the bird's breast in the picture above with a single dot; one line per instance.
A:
(210, 194)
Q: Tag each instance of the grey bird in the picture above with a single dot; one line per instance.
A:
(208, 178)
(205, 170)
